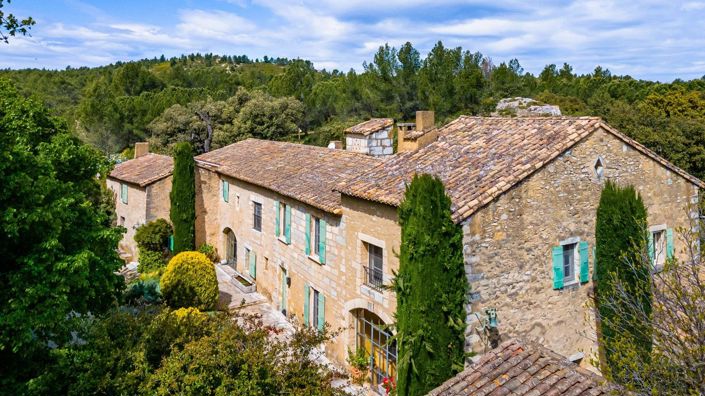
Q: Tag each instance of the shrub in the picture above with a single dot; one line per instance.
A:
(153, 236)
(151, 261)
(143, 291)
(190, 281)
(209, 251)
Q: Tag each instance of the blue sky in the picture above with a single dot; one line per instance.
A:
(658, 40)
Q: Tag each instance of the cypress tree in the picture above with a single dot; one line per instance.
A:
(183, 198)
(431, 289)
(621, 242)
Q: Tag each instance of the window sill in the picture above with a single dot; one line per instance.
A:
(315, 259)
(256, 230)
(282, 240)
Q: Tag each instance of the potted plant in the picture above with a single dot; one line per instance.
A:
(359, 365)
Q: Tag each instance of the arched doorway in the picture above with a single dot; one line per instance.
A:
(372, 335)
(230, 248)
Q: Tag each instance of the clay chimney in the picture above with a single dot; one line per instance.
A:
(424, 120)
(141, 148)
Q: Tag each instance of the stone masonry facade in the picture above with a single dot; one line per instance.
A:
(507, 244)
(377, 144)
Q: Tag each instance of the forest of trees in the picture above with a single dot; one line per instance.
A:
(114, 106)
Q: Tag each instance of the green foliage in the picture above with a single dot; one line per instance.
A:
(57, 241)
(190, 281)
(151, 261)
(11, 26)
(209, 251)
(359, 359)
(183, 198)
(153, 236)
(620, 236)
(142, 292)
(431, 289)
(151, 351)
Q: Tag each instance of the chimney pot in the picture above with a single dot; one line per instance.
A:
(141, 148)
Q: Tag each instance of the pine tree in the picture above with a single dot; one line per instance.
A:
(431, 289)
(183, 198)
(620, 236)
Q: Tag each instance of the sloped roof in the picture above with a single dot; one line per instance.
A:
(370, 126)
(305, 173)
(517, 368)
(144, 170)
(480, 158)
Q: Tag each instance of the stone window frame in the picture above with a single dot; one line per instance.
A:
(575, 280)
(660, 229)
(254, 215)
(365, 254)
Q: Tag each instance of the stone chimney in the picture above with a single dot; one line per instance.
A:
(411, 137)
(335, 144)
(424, 120)
(141, 148)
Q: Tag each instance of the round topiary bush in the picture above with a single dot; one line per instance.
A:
(153, 236)
(190, 281)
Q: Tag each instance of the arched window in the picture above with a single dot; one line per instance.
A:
(374, 338)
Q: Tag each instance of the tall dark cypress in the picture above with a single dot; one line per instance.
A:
(621, 239)
(183, 198)
(431, 289)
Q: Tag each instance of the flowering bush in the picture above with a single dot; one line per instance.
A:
(390, 386)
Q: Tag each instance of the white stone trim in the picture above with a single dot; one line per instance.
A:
(658, 227)
(576, 261)
(371, 240)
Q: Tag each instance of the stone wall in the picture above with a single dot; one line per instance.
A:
(130, 215)
(158, 200)
(377, 144)
(507, 244)
(214, 216)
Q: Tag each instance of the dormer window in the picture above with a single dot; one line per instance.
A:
(599, 168)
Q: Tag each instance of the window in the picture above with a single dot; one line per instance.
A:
(599, 168)
(282, 229)
(314, 308)
(375, 265)
(226, 190)
(660, 245)
(569, 263)
(257, 216)
(123, 193)
(122, 221)
(316, 296)
(316, 235)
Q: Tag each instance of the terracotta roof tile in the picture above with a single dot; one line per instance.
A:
(305, 173)
(370, 126)
(480, 158)
(518, 368)
(144, 170)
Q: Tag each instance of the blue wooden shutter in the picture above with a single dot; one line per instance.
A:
(306, 302)
(321, 311)
(584, 262)
(253, 265)
(652, 253)
(669, 243)
(123, 193)
(171, 243)
(557, 267)
(276, 218)
(226, 190)
(287, 223)
(307, 226)
(594, 263)
(322, 241)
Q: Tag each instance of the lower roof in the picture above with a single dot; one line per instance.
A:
(306, 173)
(143, 170)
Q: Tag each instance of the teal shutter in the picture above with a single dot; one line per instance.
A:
(669, 243)
(287, 223)
(594, 263)
(306, 302)
(123, 193)
(307, 248)
(171, 243)
(322, 241)
(276, 217)
(253, 265)
(652, 253)
(226, 190)
(321, 311)
(584, 263)
(557, 267)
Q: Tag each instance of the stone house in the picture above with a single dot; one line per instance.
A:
(270, 210)
(525, 191)
(374, 137)
(316, 229)
(141, 188)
